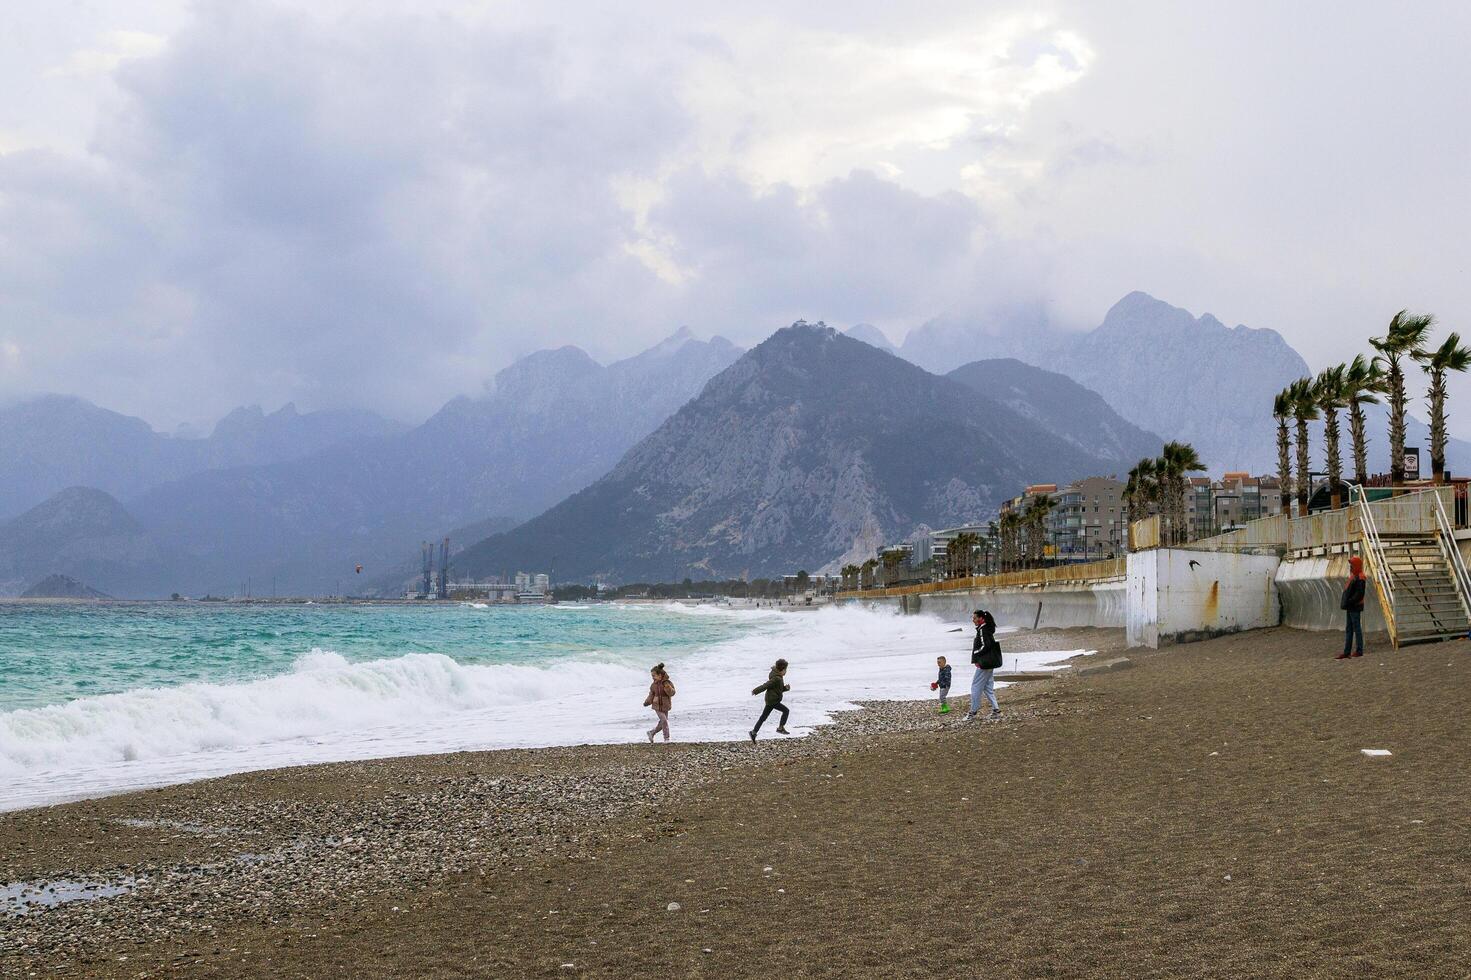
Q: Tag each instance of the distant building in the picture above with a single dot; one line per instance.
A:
(541, 583)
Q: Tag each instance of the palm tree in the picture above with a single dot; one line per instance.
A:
(1405, 337)
(1010, 526)
(1304, 410)
(865, 572)
(1449, 356)
(992, 546)
(1036, 519)
(890, 560)
(960, 551)
(1363, 382)
(1175, 460)
(1141, 490)
(1282, 411)
(1329, 390)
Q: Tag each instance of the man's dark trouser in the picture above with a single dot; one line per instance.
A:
(767, 713)
(1353, 630)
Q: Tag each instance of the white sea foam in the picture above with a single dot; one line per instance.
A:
(327, 708)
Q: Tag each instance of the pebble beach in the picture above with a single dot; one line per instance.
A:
(1207, 811)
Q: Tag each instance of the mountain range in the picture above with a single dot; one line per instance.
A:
(811, 446)
(650, 470)
(549, 425)
(57, 441)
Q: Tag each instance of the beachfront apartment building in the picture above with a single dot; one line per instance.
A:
(1087, 519)
(1238, 497)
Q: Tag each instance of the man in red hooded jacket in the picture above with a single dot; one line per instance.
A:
(1352, 605)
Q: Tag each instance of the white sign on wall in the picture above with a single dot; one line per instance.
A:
(1412, 462)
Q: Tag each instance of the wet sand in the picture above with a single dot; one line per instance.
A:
(1206, 813)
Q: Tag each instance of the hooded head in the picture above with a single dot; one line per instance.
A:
(1356, 566)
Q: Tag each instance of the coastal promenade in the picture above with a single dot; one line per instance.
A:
(1209, 812)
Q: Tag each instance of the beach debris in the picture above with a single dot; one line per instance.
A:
(1377, 753)
(672, 907)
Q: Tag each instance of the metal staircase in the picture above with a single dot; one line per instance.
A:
(1417, 570)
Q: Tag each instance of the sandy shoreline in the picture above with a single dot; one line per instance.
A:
(1088, 808)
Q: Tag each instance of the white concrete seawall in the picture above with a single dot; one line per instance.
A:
(1048, 606)
(1166, 595)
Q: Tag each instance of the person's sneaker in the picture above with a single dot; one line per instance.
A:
(651, 737)
(944, 709)
(969, 718)
(1359, 654)
(753, 738)
(995, 712)
(781, 730)
(1342, 656)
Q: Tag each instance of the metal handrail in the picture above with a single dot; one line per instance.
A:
(1378, 568)
(1453, 556)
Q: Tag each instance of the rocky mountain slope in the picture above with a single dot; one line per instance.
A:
(1063, 407)
(810, 446)
(83, 533)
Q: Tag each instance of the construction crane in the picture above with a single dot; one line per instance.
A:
(426, 554)
(444, 570)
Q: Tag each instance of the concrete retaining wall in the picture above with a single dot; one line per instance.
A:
(1176, 596)
(1074, 604)
(1310, 589)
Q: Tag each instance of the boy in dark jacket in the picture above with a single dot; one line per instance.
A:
(1352, 605)
(774, 688)
(942, 684)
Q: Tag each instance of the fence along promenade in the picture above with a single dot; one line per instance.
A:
(1080, 573)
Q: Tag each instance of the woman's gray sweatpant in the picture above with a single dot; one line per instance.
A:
(984, 683)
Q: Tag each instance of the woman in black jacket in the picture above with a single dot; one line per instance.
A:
(1352, 605)
(985, 653)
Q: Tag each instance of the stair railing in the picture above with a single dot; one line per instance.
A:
(1448, 547)
(1378, 566)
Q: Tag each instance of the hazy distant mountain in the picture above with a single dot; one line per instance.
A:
(552, 423)
(1184, 377)
(1188, 378)
(810, 446)
(81, 532)
(948, 341)
(1063, 407)
(56, 441)
(872, 336)
(62, 587)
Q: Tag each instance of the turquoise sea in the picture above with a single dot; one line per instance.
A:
(51, 653)
(102, 698)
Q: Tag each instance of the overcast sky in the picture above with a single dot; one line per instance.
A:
(382, 203)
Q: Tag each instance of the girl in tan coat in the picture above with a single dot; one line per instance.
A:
(661, 694)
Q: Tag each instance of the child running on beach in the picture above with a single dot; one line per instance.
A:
(774, 687)
(661, 699)
(942, 684)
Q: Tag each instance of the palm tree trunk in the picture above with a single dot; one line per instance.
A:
(1360, 441)
(1396, 423)
(1437, 426)
(1304, 481)
(1284, 464)
(1335, 460)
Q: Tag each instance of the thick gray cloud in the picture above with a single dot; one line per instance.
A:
(382, 203)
